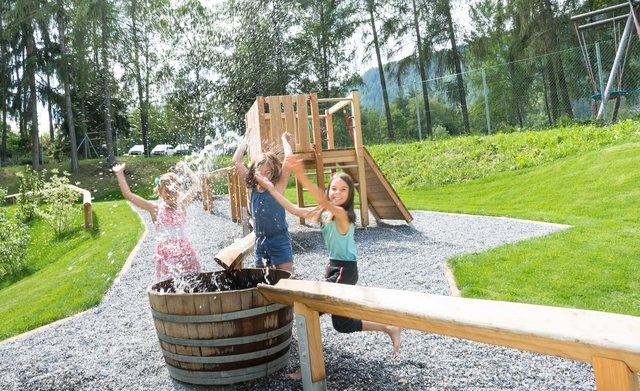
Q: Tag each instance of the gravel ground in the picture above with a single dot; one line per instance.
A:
(114, 346)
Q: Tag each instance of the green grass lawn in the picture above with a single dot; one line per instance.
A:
(70, 274)
(595, 265)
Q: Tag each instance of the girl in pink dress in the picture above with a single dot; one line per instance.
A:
(174, 256)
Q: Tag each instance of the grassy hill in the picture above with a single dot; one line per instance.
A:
(594, 265)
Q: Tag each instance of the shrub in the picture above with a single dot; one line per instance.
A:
(59, 208)
(31, 185)
(14, 239)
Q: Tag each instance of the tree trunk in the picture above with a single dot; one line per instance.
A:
(142, 106)
(514, 90)
(64, 73)
(423, 76)
(22, 97)
(546, 96)
(553, 91)
(51, 135)
(558, 68)
(383, 83)
(4, 92)
(325, 55)
(33, 100)
(458, 67)
(105, 80)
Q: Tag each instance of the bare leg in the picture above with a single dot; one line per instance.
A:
(392, 331)
(286, 266)
(297, 375)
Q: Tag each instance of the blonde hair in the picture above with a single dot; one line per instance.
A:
(269, 158)
(165, 181)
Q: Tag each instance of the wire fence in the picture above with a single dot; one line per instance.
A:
(532, 93)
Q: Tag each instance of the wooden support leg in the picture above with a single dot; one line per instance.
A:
(613, 375)
(314, 377)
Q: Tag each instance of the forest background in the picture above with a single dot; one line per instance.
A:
(108, 74)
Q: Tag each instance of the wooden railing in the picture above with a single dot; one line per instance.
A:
(86, 203)
(610, 342)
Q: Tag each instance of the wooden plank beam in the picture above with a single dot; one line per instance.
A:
(303, 123)
(564, 332)
(232, 256)
(613, 375)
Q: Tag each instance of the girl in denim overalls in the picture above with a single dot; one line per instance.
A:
(273, 241)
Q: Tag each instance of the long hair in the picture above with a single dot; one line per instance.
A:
(168, 181)
(270, 159)
(348, 205)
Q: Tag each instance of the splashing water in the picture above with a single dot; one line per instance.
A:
(220, 281)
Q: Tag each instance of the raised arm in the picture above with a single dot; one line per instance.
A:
(288, 205)
(194, 183)
(241, 169)
(296, 165)
(286, 171)
(138, 201)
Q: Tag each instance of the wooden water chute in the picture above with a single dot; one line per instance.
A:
(301, 115)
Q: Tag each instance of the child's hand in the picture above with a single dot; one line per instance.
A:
(294, 163)
(263, 181)
(181, 165)
(118, 168)
(286, 136)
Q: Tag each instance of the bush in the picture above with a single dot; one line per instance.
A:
(31, 185)
(59, 209)
(14, 239)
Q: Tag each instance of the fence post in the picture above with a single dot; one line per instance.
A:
(486, 100)
(599, 61)
(415, 95)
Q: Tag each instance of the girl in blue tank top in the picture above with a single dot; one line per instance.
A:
(337, 224)
(273, 241)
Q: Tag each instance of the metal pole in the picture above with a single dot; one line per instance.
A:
(616, 64)
(486, 100)
(415, 95)
(600, 85)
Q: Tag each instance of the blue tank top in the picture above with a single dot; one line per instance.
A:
(269, 217)
(340, 247)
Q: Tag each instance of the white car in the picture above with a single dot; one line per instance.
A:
(182, 149)
(162, 150)
(136, 150)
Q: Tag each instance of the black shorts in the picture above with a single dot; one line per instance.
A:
(343, 272)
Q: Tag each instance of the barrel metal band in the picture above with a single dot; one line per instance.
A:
(231, 376)
(228, 358)
(217, 317)
(225, 341)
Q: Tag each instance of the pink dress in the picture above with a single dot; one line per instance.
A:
(174, 255)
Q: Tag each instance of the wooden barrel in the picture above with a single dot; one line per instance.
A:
(216, 337)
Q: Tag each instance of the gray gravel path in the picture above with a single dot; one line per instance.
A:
(114, 346)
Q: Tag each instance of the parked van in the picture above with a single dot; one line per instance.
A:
(182, 149)
(135, 150)
(162, 150)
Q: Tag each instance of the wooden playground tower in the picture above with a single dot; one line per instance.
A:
(300, 115)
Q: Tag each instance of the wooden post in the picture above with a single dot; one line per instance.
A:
(317, 139)
(303, 123)
(276, 122)
(88, 216)
(314, 377)
(300, 194)
(357, 141)
(613, 375)
(233, 195)
(207, 201)
(328, 122)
